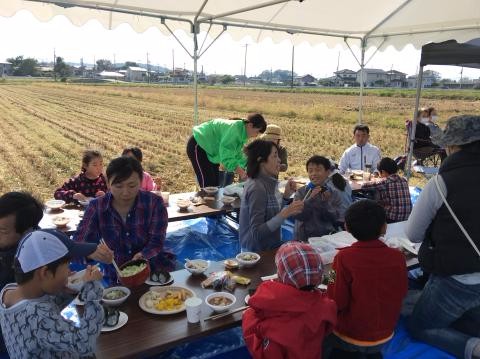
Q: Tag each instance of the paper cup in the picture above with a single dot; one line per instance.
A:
(165, 196)
(194, 308)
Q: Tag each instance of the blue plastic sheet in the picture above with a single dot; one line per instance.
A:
(228, 344)
(414, 193)
(206, 238)
(403, 346)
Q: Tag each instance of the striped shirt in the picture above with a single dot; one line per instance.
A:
(143, 231)
(394, 196)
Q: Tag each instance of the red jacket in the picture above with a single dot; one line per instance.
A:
(369, 286)
(284, 322)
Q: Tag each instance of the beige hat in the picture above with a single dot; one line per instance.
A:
(272, 133)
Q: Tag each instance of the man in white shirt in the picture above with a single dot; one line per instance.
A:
(362, 154)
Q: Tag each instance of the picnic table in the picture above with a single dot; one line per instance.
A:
(203, 205)
(149, 334)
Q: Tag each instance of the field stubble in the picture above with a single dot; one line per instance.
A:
(45, 126)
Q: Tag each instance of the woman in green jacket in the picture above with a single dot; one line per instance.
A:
(221, 141)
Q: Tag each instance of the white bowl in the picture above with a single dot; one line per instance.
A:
(117, 301)
(183, 204)
(228, 200)
(55, 203)
(196, 266)
(220, 307)
(247, 259)
(75, 281)
(60, 221)
(210, 190)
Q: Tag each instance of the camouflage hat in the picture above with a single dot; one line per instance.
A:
(459, 130)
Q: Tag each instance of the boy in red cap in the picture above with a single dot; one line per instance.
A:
(289, 317)
(368, 282)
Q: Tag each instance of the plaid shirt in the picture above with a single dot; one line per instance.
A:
(143, 231)
(81, 184)
(394, 196)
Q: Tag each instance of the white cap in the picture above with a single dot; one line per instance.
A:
(45, 246)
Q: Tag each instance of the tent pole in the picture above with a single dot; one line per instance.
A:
(411, 135)
(362, 65)
(195, 75)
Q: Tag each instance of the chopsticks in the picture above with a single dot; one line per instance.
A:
(308, 194)
(113, 259)
(217, 316)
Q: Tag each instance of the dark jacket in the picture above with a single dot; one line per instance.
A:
(446, 251)
(319, 215)
(6, 267)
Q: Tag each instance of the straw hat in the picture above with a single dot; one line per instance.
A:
(272, 133)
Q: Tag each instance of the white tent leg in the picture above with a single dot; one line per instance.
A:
(411, 135)
(360, 100)
(195, 79)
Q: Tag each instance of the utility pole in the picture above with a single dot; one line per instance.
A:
(338, 65)
(114, 63)
(461, 77)
(54, 63)
(245, 67)
(173, 62)
(148, 70)
(293, 61)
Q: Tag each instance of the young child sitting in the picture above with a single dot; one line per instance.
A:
(30, 316)
(20, 213)
(88, 184)
(148, 184)
(393, 192)
(368, 282)
(322, 203)
(289, 317)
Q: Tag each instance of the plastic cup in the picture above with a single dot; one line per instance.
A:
(165, 196)
(194, 306)
(366, 176)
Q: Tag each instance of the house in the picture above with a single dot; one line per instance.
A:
(308, 80)
(5, 69)
(345, 77)
(46, 71)
(429, 78)
(136, 74)
(396, 78)
(372, 77)
(181, 76)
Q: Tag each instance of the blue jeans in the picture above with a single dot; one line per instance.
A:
(225, 178)
(447, 316)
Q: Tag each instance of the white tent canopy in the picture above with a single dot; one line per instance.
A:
(393, 22)
(366, 23)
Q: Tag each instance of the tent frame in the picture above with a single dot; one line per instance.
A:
(214, 20)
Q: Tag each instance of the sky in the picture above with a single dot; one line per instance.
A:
(26, 36)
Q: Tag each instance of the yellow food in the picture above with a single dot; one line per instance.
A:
(171, 300)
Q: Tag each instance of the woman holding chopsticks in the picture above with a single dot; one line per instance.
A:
(132, 223)
(261, 216)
